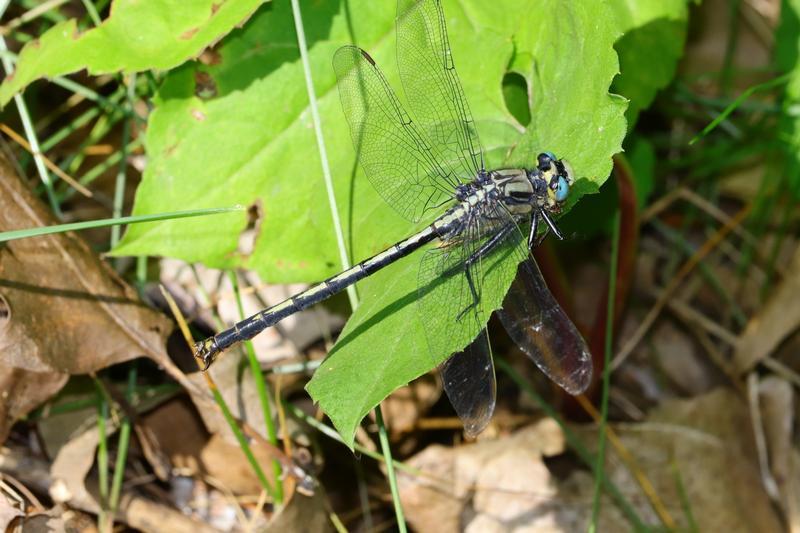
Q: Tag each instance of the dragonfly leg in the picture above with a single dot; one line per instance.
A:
(551, 224)
(485, 249)
(532, 240)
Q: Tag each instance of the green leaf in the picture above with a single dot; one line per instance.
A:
(654, 34)
(787, 53)
(573, 114)
(253, 143)
(154, 34)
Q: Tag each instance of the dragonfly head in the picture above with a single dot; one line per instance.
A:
(554, 177)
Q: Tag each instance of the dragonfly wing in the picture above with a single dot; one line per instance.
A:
(454, 311)
(470, 386)
(392, 150)
(432, 86)
(539, 326)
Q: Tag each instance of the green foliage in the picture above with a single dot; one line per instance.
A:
(653, 36)
(787, 53)
(383, 345)
(252, 142)
(236, 129)
(137, 36)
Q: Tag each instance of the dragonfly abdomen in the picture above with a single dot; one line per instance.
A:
(252, 326)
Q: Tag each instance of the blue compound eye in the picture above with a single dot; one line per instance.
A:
(551, 155)
(562, 190)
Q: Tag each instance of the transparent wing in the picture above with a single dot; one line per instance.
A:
(452, 311)
(470, 386)
(432, 87)
(392, 151)
(539, 326)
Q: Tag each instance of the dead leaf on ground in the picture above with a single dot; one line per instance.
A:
(773, 322)
(706, 442)
(500, 485)
(505, 486)
(404, 407)
(9, 511)
(776, 401)
(64, 310)
(51, 521)
(22, 391)
(136, 511)
(303, 513)
(69, 470)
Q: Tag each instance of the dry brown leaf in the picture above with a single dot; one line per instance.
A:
(776, 399)
(302, 513)
(708, 441)
(182, 447)
(22, 391)
(9, 511)
(50, 521)
(793, 493)
(135, 510)
(773, 323)
(500, 485)
(69, 470)
(678, 359)
(68, 310)
(62, 309)
(239, 391)
(404, 407)
(504, 486)
(193, 451)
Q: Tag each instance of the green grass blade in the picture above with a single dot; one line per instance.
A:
(119, 183)
(601, 445)
(343, 256)
(263, 394)
(105, 222)
(747, 93)
(123, 446)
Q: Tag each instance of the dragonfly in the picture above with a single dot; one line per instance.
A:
(431, 169)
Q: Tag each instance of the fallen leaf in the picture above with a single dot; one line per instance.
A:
(487, 486)
(505, 485)
(70, 467)
(303, 513)
(135, 510)
(63, 310)
(22, 391)
(9, 511)
(776, 400)
(707, 443)
(51, 521)
(773, 322)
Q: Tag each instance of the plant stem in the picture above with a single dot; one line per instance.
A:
(601, 445)
(263, 394)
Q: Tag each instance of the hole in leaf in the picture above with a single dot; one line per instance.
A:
(249, 235)
(5, 312)
(515, 94)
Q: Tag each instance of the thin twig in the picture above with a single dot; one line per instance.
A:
(687, 267)
(30, 15)
(30, 132)
(17, 138)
